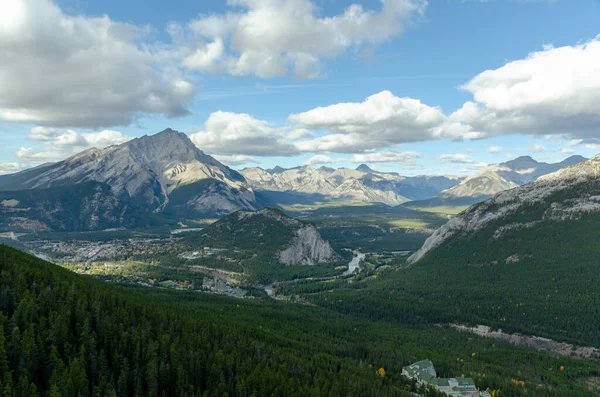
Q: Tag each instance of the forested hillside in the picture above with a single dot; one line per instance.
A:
(66, 335)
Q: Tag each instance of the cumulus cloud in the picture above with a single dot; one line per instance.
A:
(387, 157)
(457, 158)
(227, 133)
(9, 168)
(382, 120)
(57, 144)
(73, 71)
(555, 91)
(537, 148)
(319, 159)
(591, 144)
(494, 149)
(235, 161)
(269, 38)
(460, 158)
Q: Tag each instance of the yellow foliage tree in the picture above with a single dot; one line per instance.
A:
(381, 372)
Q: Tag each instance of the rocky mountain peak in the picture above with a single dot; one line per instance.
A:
(364, 168)
(522, 162)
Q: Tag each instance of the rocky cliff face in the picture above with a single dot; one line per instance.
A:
(307, 248)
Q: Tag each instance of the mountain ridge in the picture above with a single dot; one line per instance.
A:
(509, 202)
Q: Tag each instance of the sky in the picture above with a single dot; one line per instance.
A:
(411, 86)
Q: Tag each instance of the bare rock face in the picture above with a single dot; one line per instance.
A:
(307, 248)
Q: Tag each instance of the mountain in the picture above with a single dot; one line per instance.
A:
(269, 236)
(163, 173)
(361, 185)
(567, 194)
(525, 259)
(499, 177)
(364, 168)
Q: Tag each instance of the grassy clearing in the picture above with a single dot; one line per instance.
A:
(442, 210)
(327, 204)
(409, 223)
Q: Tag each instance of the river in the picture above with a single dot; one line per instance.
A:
(354, 263)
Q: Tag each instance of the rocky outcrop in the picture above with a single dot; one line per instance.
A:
(307, 248)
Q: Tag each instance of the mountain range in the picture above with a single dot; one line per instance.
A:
(362, 184)
(165, 178)
(496, 178)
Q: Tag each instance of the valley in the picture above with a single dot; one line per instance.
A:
(436, 278)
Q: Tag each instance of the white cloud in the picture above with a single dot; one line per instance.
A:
(591, 144)
(387, 157)
(57, 144)
(299, 134)
(227, 133)
(269, 38)
(460, 158)
(537, 148)
(319, 159)
(567, 151)
(494, 149)
(457, 158)
(61, 70)
(235, 161)
(9, 168)
(555, 91)
(382, 120)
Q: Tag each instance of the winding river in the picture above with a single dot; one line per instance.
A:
(354, 263)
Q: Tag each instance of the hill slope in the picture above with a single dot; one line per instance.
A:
(67, 335)
(270, 235)
(530, 252)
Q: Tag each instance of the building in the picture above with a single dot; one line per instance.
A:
(424, 373)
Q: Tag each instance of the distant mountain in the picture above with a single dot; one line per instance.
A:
(496, 178)
(347, 185)
(163, 173)
(269, 236)
(364, 168)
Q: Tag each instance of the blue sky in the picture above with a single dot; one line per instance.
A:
(192, 66)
